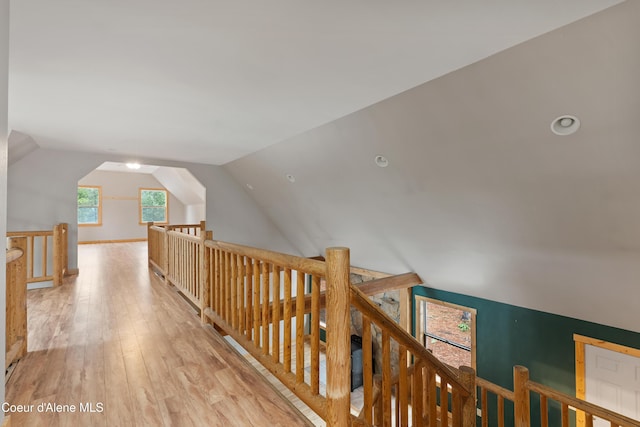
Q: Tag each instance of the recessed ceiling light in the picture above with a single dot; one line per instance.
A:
(250, 187)
(290, 177)
(565, 125)
(381, 161)
(133, 165)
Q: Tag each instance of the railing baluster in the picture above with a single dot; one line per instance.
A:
(30, 253)
(265, 308)
(249, 291)
(233, 286)
(444, 402)
(275, 339)
(589, 420)
(402, 394)
(287, 320)
(416, 396)
(217, 286)
(257, 318)
(315, 335)
(386, 378)
(544, 411)
(367, 368)
(227, 287)
(44, 260)
(241, 296)
(432, 395)
(300, 327)
(484, 407)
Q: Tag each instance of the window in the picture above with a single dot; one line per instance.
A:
(448, 330)
(89, 205)
(153, 205)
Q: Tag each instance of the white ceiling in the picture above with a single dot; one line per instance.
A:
(210, 82)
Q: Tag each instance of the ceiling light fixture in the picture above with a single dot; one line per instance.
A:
(290, 177)
(133, 166)
(381, 161)
(565, 125)
(249, 186)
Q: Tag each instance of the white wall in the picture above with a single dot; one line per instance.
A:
(120, 211)
(194, 213)
(480, 197)
(4, 133)
(42, 191)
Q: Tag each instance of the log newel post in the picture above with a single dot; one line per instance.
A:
(468, 378)
(338, 338)
(521, 404)
(16, 298)
(58, 254)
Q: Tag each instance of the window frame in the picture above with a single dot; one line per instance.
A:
(166, 206)
(99, 223)
(419, 325)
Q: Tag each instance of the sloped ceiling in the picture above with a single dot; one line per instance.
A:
(212, 81)
(179, 181)
(480, 197)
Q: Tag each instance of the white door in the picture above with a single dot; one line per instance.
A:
(612, 381)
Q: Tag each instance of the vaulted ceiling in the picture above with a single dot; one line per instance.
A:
(212, 81)
(479, 196)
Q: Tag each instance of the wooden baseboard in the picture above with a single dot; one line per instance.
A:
(94, 242)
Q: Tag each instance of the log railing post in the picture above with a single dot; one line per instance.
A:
(338, 338)
(468, 377)
(204, 273)
(521, 402)
(16, 303)
(58, 254)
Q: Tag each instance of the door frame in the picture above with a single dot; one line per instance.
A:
(581, 375)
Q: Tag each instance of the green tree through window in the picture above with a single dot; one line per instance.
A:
(153, 205)
(89, 206)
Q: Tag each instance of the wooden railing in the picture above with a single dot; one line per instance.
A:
(16, 300)
(486, 389)
(270, 304)
(523, 388)
(420, 390)
(46, 254)
(176, 252)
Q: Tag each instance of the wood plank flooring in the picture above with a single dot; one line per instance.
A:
(120, 340)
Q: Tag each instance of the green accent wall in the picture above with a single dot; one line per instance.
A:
(507, 335)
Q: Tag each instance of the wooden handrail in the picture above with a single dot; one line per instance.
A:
(495, 389)
(390, 283)
(306, 265)
(30, 233)
(581, 405)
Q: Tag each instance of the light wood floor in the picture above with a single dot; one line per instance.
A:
(117, 336)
